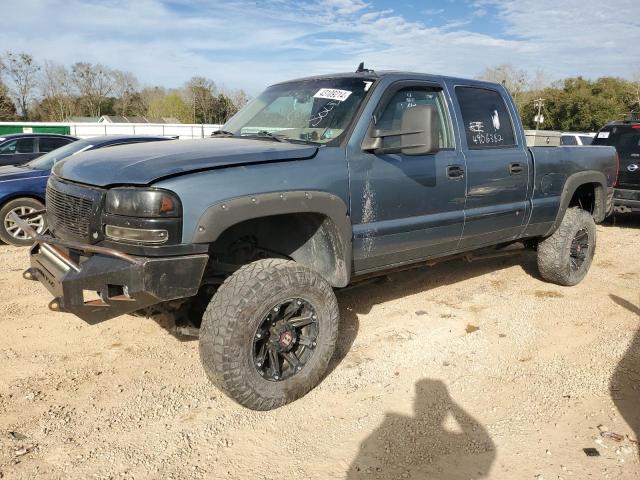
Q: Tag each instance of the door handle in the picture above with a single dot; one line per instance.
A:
(515, 168)
(455, 171)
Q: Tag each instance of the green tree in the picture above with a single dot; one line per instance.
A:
(581, 104)
(170, 104)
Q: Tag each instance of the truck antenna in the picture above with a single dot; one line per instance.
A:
(361, 68)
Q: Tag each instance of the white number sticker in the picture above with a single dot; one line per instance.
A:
(333, 94)
(603, 135)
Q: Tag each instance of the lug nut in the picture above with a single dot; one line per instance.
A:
(276, 377)
(313, 344)
(258, 335)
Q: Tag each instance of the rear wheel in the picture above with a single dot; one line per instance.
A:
(565, 257)
(269, 332)
(10, 231)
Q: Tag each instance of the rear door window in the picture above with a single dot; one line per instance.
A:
(586, 140)
(568, 140)
(487, 122)
(48, 144)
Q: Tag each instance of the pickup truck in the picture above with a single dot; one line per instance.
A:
(316, 184)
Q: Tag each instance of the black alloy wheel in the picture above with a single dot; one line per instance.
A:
(579, 249)
(285, 340)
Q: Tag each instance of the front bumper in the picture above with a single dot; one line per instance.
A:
(626, 200)
(123, 283)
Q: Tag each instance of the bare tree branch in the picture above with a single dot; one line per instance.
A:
(22, 71)
(94, 83)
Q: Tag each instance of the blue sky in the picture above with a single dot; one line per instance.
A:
(249, 44)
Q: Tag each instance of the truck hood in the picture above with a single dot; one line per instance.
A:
(145, 163)
(10, 172)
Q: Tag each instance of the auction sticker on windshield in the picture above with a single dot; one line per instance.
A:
(333, 94)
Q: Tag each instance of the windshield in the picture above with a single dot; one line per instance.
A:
(314, 111)
(46, 161)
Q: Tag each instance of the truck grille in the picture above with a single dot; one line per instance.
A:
(67, 214)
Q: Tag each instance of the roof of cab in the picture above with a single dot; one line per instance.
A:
(395, 75)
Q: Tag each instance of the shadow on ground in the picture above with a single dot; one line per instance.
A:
(623, 220)
(440, 441)
(625, 382)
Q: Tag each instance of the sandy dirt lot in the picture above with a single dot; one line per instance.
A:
(458, 371)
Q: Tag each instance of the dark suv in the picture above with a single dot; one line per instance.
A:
(625, 136)
(19, 148)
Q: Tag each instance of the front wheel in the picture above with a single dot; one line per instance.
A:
(269, 332)
(10, 231)
(565, 257)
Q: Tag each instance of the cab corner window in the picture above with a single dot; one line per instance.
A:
(391, 117)
(487, 123)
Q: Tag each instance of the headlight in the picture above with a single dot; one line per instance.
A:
(145, 203)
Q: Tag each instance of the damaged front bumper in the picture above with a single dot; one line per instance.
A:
(74, 273)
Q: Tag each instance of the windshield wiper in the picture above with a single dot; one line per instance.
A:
(222, 132)
(265, 133)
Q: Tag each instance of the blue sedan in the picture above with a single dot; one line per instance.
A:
(23, 187)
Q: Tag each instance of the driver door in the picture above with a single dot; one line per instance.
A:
(405, 208)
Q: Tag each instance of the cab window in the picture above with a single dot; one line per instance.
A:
(391, 117)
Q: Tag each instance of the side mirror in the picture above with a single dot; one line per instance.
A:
(422, 127)
(419, 133)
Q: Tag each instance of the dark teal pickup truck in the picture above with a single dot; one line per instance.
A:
(317, 183)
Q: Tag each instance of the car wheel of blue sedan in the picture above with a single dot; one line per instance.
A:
(10, 231)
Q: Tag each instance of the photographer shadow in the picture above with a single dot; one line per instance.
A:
(625, 382)
(440, 441)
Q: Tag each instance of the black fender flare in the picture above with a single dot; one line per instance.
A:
(572, 184)
(224, 214)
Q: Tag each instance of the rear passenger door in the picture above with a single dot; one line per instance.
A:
(497, 168)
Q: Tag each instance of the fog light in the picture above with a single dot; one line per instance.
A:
(139, 235)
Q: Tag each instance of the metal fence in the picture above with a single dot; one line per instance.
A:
(86, 130)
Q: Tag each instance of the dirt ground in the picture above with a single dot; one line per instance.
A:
(458, 371)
